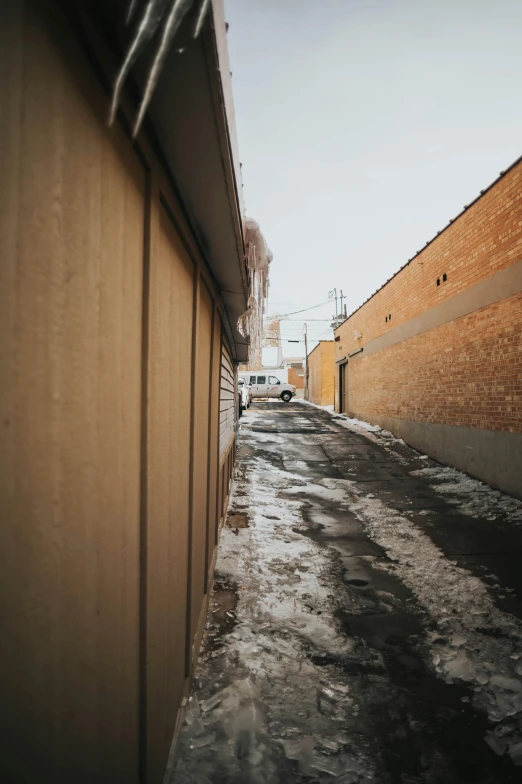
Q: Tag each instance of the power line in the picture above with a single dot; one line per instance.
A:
(282, 340)
(312, 307)
(297, 321)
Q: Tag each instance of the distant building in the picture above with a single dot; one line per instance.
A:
(321, 373)
(269, 353)
(271, 357)
(296, 373)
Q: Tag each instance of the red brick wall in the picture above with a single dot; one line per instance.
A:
(469, 370)
(483, 240)
(466, 372)
(296, 379)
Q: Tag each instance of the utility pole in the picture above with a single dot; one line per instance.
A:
(306, 362)
(341, 298)
(333, 295)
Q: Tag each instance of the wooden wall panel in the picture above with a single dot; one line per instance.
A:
(71, 245)
(199, 530)
(214, 438)
(79, 439)
(227, 408)
(168, 467)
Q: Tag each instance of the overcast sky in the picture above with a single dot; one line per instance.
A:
(363, 126)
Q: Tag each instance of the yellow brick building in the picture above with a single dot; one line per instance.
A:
(321, 373)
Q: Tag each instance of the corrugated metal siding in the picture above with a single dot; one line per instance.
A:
(170, 393)
(226, 401)
(199, 538)
(72, 228)
(106, 557)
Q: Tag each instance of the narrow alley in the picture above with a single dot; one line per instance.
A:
(366, 618)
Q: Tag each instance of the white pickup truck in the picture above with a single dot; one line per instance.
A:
(267, 385)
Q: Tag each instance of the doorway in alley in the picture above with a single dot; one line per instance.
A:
(343, 388)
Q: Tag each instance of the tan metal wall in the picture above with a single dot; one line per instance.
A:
(227, 406)
(171, 311)
(199, 540)
(213, 501)
(110, 488)
(71, 245)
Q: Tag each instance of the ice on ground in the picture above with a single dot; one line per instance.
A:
(203, 740)
(347, 422)
(278, 700)
(473, 497)
(273, 438)
(357, 424)
(458, 603)
(285, 613)
(508, 684)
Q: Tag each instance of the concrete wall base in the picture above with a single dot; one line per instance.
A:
(493, 456)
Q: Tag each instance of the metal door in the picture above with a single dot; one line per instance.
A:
(343, 388)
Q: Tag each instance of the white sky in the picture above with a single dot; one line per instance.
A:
(364, 125)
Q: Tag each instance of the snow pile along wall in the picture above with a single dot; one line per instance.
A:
(258, 257)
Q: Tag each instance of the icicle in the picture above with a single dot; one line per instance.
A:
(205, 5)
(130, 11)
(147, 27)
(250, 323)
(177, 13)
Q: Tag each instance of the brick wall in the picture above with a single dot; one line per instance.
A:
(321, 374)
(469, 370)
(440, 364)
(481, 241)
(296, 377)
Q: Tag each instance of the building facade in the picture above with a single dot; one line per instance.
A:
(320, 363)
(435, 355)
(296, 375)
(123, 276)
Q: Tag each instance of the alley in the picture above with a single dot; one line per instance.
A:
(366, 619)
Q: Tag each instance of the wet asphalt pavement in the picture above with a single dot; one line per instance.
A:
(366, 618)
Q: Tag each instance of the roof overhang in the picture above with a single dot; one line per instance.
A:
(193, 119)
(190, 121)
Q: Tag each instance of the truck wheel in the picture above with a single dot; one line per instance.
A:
(286, 396)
